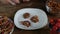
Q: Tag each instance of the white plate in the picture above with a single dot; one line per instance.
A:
(12, 27)
(43, 20)
(12, 31)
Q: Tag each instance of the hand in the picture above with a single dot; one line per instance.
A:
(13, 2)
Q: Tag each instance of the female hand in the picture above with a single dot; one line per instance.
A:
(13, 2)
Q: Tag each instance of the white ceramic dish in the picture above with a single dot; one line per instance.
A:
(43, 20)
(12, 31)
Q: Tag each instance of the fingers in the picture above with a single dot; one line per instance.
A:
(11, 2)
(16, 1)
(7, 2)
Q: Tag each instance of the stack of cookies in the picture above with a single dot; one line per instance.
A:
(6, 25)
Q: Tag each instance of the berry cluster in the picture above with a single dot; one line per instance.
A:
(54, 24)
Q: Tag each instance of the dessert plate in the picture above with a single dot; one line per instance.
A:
(43, 20)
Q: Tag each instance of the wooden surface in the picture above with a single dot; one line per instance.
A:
(10, 11)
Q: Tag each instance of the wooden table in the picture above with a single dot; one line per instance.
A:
(10, 11)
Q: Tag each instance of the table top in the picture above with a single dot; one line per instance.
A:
(10, 11)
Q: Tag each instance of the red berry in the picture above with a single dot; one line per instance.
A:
(52, 21)
(54, 28)
(58, 24)
(58, 20)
